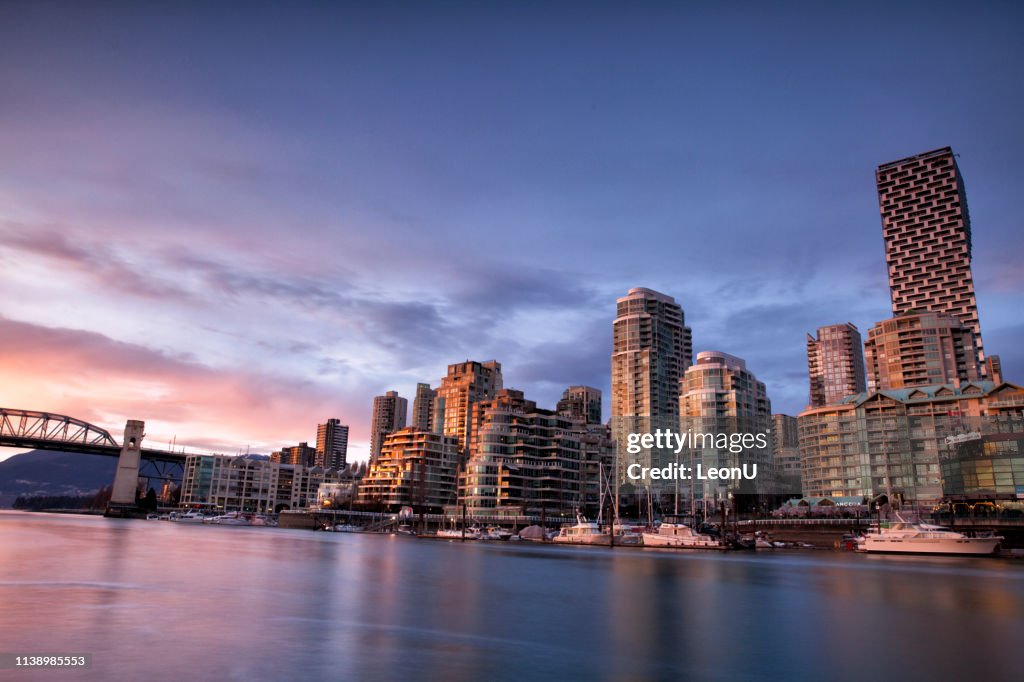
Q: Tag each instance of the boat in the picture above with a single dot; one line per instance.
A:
(229, 519)
(627, 534)
(583, 532)
(472, 533)
(346, 528)
(905, 537)
(679, 535)
(496, 533)
(192, 516)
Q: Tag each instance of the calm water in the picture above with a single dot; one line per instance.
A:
(162, 601)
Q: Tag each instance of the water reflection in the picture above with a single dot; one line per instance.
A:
(163, 601)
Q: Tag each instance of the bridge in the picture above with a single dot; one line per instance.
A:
(49, 431)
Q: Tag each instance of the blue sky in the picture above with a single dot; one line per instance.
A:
(234, 222)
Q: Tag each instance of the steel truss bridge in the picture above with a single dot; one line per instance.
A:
(49, 431)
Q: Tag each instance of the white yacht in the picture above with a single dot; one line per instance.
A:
(229, 519)
(583, 533)
(192, 516)
(679, 535)
(904, 537)
(472, 533)
(496, 533)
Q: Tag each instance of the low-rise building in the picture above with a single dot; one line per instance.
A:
(889, 442)
(250, 484)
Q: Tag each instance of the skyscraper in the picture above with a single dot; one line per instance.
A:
(720, 395)
(927, 231)
(467, 383)
(332, 444)
(583, 402)
(651, 349)
(389, 412)
(719, 385)
(835, 364)
(920, 350)
(423, 408)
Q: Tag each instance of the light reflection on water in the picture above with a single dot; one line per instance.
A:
(165, 601)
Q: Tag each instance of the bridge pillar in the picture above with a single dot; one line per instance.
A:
(126, 480)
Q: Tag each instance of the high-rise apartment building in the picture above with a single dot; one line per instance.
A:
(583, 402)
(835, 363)
(466, 383)
(719, 385)
(423, 408)
(332, 444)
(720, 395)
(524, 459)
(651, 349)
(389, 413)
(927, 230)
(414, 468)
(920, 350)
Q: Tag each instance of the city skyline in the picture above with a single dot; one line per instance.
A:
(240, 250)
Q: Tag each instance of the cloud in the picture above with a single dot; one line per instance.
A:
(93, 259)
(93, 377)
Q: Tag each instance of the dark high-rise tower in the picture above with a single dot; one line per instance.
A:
(835, 364)
(927, 231)
(389, 412)
(332, 444)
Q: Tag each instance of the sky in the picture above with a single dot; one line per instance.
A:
(234, 222)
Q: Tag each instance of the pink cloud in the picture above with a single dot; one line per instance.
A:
(93, 377)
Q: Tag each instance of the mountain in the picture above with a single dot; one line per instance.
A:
(48, 472)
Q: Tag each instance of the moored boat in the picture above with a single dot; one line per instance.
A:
(583, 532)
(679, 535)
(904, 537)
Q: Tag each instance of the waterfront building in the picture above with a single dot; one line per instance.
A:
(583, 402)
(415, 468)
(523, 459)
(340, 493)
(332, 445)
(786, 454)
(927, 230)
(465, 384)
(296, 455)
(423, 408)
(889, 442)
(920, 349)
(720, 395)
(984, 464)
(835, 364)
(250, 484)
(389, 413)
